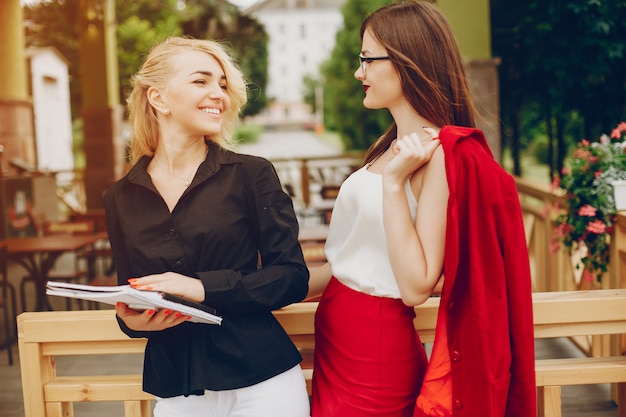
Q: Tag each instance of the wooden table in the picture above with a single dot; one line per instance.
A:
(38, 255)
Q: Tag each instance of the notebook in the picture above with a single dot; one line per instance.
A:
(136, 299)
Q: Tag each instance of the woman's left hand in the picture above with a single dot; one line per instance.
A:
(173, 283)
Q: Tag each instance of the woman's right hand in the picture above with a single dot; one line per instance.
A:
(149, 320)
(410, 153)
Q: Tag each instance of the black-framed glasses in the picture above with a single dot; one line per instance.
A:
(364, 60)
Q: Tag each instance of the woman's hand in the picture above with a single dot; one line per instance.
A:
(149, 320)
(152, 320)
(171, 282)
(410, 153)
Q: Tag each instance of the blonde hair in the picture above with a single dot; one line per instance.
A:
(156, 71)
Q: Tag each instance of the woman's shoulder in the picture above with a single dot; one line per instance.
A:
(227, 155)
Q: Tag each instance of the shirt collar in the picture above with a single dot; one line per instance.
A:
(216, 157)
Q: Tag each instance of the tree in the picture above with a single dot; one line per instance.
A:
(566, 58)
(222, 21)
(344, 113)
(141, 24)
(54, 23)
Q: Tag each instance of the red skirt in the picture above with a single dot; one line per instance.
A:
(369, 360)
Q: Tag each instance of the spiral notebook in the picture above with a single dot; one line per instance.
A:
(137, 299)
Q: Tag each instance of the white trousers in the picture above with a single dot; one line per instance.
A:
(284, 395)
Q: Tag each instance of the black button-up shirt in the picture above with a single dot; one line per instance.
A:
(233, 217)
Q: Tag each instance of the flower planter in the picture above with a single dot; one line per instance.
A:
(619, 189)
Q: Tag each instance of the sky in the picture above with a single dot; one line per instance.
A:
(243, 3)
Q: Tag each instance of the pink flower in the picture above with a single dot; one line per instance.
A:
(581, 153)
(587, 210)
(555, 246)
(597, 226)
(562, 229)
(617, 132)
(588, 276)
(585, 142)
(555, 184)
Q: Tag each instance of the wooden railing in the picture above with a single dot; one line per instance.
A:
(305, 179)
(553, 269)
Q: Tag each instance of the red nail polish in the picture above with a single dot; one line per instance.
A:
(150, 312)
(178, 315)
(167, 312)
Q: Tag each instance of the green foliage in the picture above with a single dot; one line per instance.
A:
(135, 34)
(309, 84)
(247, 133)
(343, 95)
(141, 24)
(566, 58)
(222, 21)
(589, 203)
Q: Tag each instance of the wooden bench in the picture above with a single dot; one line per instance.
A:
(46, 335)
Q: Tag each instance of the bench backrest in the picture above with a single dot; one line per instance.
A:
(556, 314)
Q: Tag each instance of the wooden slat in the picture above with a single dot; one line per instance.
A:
(94, 347)
(137, 409)
(95, 388)
(549, 401)
(577, 371)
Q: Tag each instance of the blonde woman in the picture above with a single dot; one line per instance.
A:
(192, 218)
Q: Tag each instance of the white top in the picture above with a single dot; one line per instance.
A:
(356, 246)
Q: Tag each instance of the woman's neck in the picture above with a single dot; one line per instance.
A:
(408, 122)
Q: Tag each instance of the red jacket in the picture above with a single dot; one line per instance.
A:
(487, 293)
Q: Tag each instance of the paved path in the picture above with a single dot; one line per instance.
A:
(277, 144)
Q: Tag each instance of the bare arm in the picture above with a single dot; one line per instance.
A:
(317, 281)
(416, 250)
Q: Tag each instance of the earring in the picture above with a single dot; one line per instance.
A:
(166, 112)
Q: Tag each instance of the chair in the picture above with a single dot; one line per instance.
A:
(81, 268)
(101, 257)
(7, 303)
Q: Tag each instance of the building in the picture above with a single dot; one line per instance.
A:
(301, 36)
(50, 90)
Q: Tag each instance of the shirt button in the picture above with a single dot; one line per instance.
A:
(450, 306)
(178, 264)
(456, 356)
(172, 231)
(457, 405)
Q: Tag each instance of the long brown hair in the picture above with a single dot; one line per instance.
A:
(424, 51)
